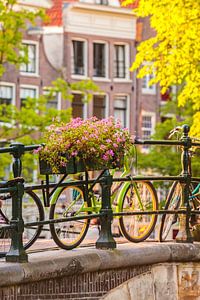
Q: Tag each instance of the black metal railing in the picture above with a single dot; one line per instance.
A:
(17, 253)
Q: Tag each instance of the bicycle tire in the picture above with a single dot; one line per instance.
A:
(173, 202)
(68, 235)
(137, 228)
(32, 210)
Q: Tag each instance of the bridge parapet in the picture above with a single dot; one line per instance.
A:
(88, 273)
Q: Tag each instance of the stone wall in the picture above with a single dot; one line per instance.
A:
(167, 282)
(150, 271)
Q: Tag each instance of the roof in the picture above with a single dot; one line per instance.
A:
(55, 13)
(133, 5)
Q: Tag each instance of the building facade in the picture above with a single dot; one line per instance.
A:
(88, 39)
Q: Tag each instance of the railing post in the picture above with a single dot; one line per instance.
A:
(184, 234)
(106, 240)
(17, 252)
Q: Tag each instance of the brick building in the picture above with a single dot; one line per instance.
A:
(84, 39)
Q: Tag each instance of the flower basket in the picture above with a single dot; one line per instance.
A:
(74, 166)
(83, 145)
(71, 168)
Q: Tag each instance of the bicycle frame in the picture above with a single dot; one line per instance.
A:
(95, 201)
(195, 192)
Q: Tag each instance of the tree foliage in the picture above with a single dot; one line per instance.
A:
(25, 124)
(13, 21)
(174, 51)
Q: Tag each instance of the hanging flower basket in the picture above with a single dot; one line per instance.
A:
(82, 145)
(74, 166)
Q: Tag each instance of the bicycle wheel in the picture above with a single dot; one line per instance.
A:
(70, 202)
(139, 196)
(173, 202)
(32, 211)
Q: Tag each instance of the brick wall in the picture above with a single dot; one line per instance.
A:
(90, 286)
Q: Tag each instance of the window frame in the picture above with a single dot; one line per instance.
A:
(106, 62)
(145, 148)
(102, 2)
(106, 103)
(85, 58)
(126, 62)
(58, 95)
(36, 73)
(127, 107)
(28, 86)
(13, 86)
(85, 105)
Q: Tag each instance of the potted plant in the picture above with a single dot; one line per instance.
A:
(81, 145)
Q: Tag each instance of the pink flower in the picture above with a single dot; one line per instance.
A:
(74, 153)
(105, 157)
(110, 152)
(102, 147)
(119, 139)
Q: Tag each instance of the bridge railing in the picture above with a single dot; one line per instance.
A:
(105, 240)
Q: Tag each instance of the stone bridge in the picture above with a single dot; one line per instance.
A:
(148, 270)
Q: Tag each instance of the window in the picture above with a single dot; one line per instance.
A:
(31, 67)
(119, 61)
(148, 124)
(102, 2)
(53, 99)
(6, 94)
(99, 106)
(78, 58)
(120, 109)
(146, 89)
(26, 92)
(99, 60)
(77, 106)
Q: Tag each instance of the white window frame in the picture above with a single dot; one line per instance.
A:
(58, 97)
(127, 107)
(127, 63)
(13, 101)
(145, 149)
(13, 86)
(85, 58)
(85, 105)
(36, 44)
(28, 86)
(149, 90)
(106, 61)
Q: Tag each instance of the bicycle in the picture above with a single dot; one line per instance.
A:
(174, 198)
(32, 209)
(127, 196)
(70, 200)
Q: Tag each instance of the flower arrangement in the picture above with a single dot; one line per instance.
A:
(99, 144)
